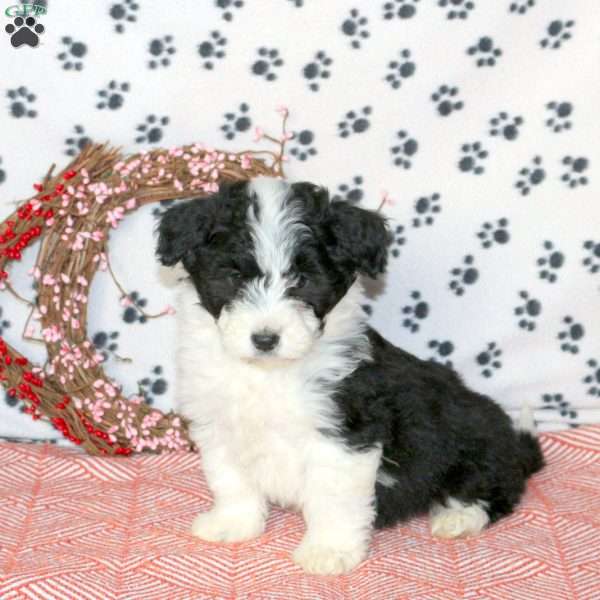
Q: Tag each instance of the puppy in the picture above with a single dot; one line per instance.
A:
(294, 400)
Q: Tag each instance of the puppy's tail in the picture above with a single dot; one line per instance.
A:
(532, 459)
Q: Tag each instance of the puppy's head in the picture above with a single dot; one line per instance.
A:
(270, 260)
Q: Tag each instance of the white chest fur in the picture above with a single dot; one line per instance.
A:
(263, 420)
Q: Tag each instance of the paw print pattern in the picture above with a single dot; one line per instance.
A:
(401, 9)
(593, 378)
(415, 312)
(398, 240)
(77, 143)
(20, 103)
(161, 50)
(484, 52)
(400, 69)
(151, 130)
(560, 116)
(464, 275)
(446, 101)
(212, 49)
(457, 9)
(426, 208)
(268, 61)
(521, 7)
(24, 31)
(571, 335)
(352, 193)
(227, 7)
(404, 151)
(113, 96)
(303, 147)
(4, 324)
(557, 33)
(494, 233)
(236, 122)
(442, 349)
(355, 122)
(576, 169)
(355, 27)
(528, 311)
(124, 12)
(557, 403)
(550, 263)
(155, 385)
(473, 155)
(2, 173)
(106, 343)
(592, 260)
(72, 54)
(505, 126)
(131, 314)
(317, 69)
(531, 176)
(489, 359)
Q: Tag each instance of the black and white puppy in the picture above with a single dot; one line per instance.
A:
(294, 400)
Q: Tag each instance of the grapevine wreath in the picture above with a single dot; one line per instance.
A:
(72, 214)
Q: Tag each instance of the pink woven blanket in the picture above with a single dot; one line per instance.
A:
(78, 528)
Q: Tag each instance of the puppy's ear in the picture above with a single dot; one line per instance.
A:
(360, 238)
(182, 230)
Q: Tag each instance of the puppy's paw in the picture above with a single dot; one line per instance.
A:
(216, 526)
(320, 559)
(458, 520)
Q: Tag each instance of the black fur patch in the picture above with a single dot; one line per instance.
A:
(439, 438)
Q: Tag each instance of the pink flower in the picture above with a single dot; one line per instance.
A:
(258, 134)
(168, 310)
(283, 110)
(114, 216)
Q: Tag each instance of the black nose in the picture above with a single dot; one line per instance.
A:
(265, 341)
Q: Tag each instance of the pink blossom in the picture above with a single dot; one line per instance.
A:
(258, 134)
(283, 110)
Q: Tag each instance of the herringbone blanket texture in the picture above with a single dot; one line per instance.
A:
(81, 528)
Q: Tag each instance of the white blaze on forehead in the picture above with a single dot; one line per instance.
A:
(276, 229)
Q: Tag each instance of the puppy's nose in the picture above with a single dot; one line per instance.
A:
(265, 340)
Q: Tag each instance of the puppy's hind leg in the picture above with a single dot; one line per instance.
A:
(456, 519)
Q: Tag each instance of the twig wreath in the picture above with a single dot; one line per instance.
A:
(72, 214)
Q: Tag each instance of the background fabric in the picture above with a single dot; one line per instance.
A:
(126, 536)
(479, 119)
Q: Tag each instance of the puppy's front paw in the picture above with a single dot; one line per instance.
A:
(320, 559)
(217, 526)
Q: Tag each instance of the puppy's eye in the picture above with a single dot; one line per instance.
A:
(233, 275)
